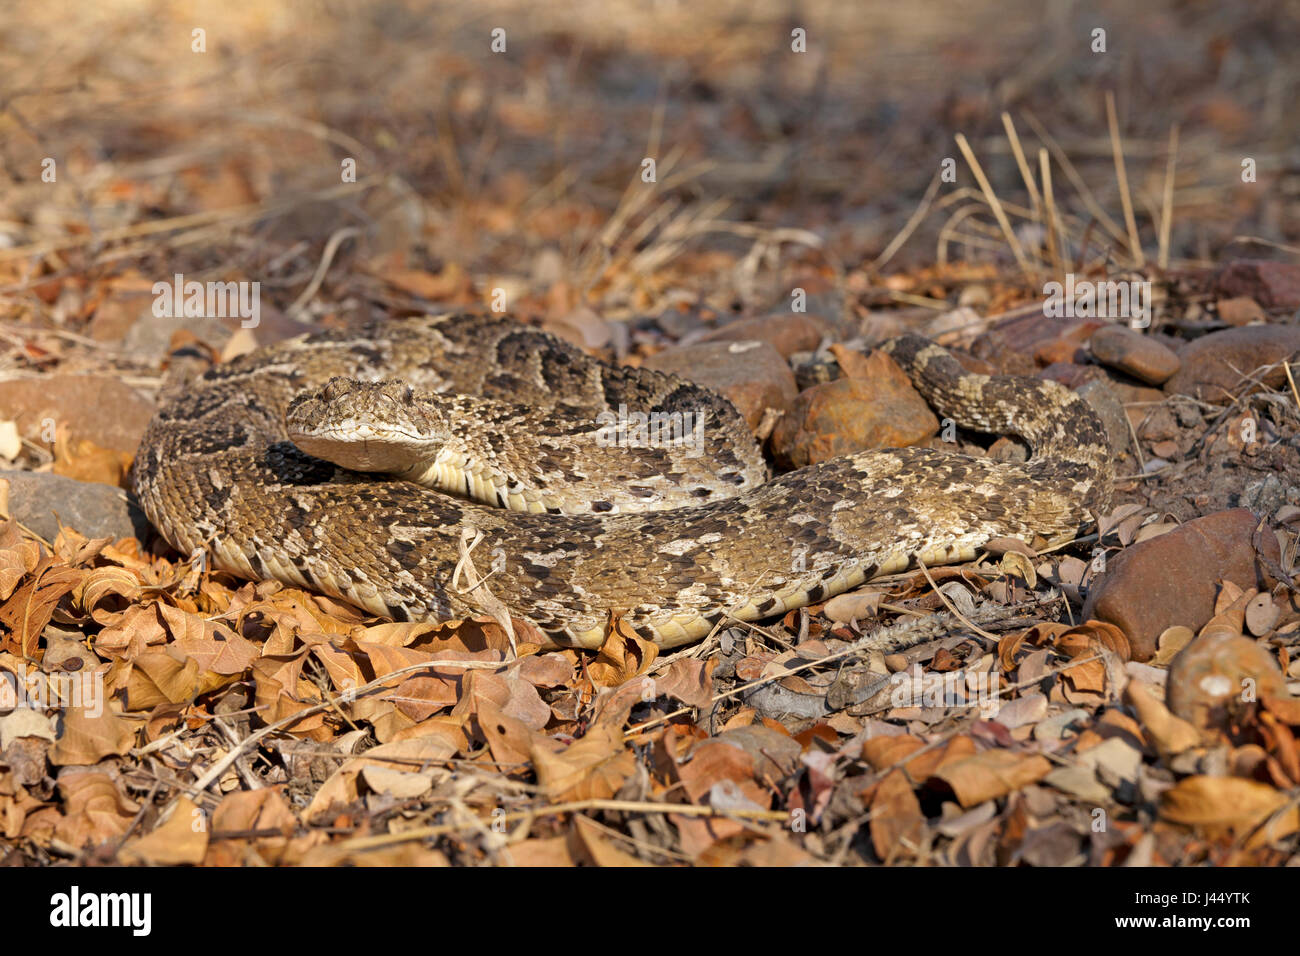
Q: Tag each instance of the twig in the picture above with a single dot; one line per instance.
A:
(477, 585)
(922, 208)
(995, 205)
(573, 806)
(1121, 176)
(952, 607)
(1291, 381)
(1167, 201)
(894, 638)
(217, 769)
(1025, 172)
(1055, 231)
(331, 247)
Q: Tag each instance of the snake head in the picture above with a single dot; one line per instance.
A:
(367, 426)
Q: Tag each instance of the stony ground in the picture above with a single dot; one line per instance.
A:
(1124, 698)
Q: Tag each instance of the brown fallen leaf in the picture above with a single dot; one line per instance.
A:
(510, 740)
(688, 680)
(881, 753)
(24, 615)
(87, 739)
(596, 844)
(180, 839)
(406, 755)
(1228, 806)
(95, 811)
(169, 676)
(896, 818)
(593, 767)
(19, 556)
(282, 691)
(257, 811)
(541, 851)
(1170, 733)
(596, 765)
(712, 761)
(106, 593)
(624, 655)
(991, 774)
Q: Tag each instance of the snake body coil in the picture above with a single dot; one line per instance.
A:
(216, 471)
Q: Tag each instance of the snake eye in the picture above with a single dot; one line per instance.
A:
(334, 388)
(408, 394)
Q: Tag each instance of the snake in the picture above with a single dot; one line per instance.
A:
(423, 468)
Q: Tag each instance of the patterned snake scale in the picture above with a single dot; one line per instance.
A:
(216, 472)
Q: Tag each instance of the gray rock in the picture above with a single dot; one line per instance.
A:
(1103, 400)
(97, 511)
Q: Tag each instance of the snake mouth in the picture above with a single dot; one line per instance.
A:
(363, 446)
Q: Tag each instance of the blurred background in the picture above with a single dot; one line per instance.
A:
(215, 139)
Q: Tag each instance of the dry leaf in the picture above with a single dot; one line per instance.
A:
(86, 739)
(624, 655)
(896, 818)
(1226, 805)
(991, 774)
(181, 839)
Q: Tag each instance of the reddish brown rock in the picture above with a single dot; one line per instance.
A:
(1172, 579)
(1071, 375)
(853, 414)
(1068, 346)
(1274, 285)
(751, 374)
(96, 408)
(1144, 358)
(1213, 365)
(1240, 311)
(788, 333)
(1217, 676)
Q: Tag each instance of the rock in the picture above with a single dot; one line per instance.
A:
(1103, 400)
(1136, 398)
(814, 368)
(1207, 683)
(752, 375)
(1267, 494)
(1140, 356)
(1213, 365)
(1172, 579)
(788, 333)
(1068, 346)
(1240, 311)
(854, 414)
(964, 322)
(97, 511)
(97, 408)
(150, 336)
(1156, 424)
(119, 311)
(1071, 375)
(1274, 285)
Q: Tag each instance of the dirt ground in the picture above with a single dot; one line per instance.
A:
(635, 178)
